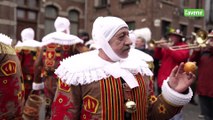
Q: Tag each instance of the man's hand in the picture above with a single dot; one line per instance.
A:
(180, 80)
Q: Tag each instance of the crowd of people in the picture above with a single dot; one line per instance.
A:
(109, 77)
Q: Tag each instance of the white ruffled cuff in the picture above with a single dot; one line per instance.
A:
(174, 97)
(38, 86)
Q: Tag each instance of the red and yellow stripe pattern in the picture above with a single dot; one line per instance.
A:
(112, 99)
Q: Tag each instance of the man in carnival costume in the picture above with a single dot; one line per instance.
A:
(26, 51)
(56, 46)
(110, 87)
(11, 82)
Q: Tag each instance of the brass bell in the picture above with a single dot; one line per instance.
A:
(130, 106)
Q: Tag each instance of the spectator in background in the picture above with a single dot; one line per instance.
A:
(142, 43)
(204, 60)
(140, 54)
(191, 40)
(84, 36)
(170, 58)
(11, 82)
(143, 36)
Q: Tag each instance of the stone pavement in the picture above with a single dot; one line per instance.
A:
(191, 112)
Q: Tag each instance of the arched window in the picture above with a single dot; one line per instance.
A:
(51, 14)
(74, 20)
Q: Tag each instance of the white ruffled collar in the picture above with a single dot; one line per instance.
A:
(29, 43)
(5, 39)
(140, 55)
(88, 67)
(61, 38)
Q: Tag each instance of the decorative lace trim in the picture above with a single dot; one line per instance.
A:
(89, 67)
(61, 38)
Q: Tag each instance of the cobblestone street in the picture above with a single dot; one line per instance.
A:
(191, 112)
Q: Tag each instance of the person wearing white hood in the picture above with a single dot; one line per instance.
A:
(138, 54)
(109, 87)
(56, 46)
(26, 51)
(11, 82)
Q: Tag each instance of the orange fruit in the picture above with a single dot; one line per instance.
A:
(189, 67)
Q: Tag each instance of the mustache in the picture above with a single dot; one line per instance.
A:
(126, 48)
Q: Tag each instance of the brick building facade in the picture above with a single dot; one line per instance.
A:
(15, 15)
(8, 17)
(158, 15)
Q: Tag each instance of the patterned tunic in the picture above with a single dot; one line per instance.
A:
(27, 58)
(104, 99)
(11, 84)
(48, 60)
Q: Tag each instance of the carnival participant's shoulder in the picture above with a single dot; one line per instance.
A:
(136, 66)
(5, 45)
(81, 68)
(140, 55)
(5, 39)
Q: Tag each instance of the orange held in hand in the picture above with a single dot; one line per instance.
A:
(189, 67)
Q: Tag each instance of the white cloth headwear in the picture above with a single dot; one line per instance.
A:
(27, 34)
(60, 37)
(61, 24)
(104, 28)
(143, 33)
(5, 39)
